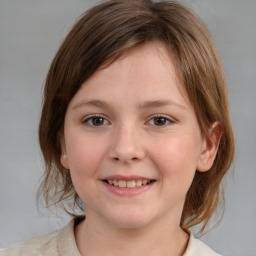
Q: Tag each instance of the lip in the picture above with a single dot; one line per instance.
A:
(127, 191)
(126, 178)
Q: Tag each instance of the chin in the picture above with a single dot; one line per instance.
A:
(130, 221)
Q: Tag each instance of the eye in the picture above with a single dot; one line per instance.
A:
(95, 121)
(160, 120)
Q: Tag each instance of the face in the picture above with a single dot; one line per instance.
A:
(132, 141)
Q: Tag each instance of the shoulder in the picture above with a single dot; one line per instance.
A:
(198, 248)
(39, 245)
(57, 243)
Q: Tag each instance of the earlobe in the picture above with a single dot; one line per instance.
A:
(64, 160)
(209, 148)
(63, 156)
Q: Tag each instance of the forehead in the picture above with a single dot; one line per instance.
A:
(149, 50)
(148, 71)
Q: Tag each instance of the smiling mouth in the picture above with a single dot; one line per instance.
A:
(128, 184)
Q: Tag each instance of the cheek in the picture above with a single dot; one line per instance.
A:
(176, 158)
(84, 156)
(84, 165)
(176, 165)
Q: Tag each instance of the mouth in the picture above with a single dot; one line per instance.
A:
(129, 183)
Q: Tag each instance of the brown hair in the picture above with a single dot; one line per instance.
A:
(103, 34)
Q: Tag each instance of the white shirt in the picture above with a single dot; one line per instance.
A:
(62, 243)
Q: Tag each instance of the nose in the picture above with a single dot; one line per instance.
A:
(127, 145)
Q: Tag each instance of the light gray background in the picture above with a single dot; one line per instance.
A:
(30, 33)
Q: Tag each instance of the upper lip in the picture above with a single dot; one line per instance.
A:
(126, 178)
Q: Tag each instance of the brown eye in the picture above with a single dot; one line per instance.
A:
(96, 121)
(160, 121)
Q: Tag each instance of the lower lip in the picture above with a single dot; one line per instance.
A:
(128, 191)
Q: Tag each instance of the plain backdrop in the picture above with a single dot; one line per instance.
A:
(30, 33)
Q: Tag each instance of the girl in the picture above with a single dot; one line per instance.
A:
(135, 132)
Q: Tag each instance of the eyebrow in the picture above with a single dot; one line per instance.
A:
(144, 105)
(96, 103)
(160, 103)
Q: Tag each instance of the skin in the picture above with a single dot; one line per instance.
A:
(130, 140)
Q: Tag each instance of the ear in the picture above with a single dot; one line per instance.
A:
(63, 156)
(209, 148)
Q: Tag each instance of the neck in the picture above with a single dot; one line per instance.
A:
(154, 239)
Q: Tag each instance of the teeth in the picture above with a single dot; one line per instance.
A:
(144, 182)
(128, 184)
(131, 184)
(122, 184)
(138, 183)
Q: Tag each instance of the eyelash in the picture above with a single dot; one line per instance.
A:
(89, 119)
(166, 119)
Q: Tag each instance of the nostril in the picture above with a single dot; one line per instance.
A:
(126, 160)
(126, 154)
